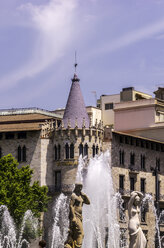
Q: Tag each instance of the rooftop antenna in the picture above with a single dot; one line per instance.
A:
(75, 62)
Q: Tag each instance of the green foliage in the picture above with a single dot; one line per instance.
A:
(17, 193)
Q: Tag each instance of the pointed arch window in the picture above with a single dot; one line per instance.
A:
(66, 151)
(59, 152)
(86, 150)
(97, 149)
(72, 151)
(81, 149)
(19, 154)
(93, 151)
(24, 154)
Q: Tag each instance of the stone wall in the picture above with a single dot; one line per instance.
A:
(33, 150)
(68, 167)
(135, 171)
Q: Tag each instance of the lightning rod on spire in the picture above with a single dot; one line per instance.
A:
(75, 62)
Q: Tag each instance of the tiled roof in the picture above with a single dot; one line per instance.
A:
(30, 119)
(75, 107)
(23, 118)
(20, 127)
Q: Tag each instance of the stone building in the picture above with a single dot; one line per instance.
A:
(76, 136)
(130, 124)
(134, 161)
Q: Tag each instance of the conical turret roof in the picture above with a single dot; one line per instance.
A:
(75, 111)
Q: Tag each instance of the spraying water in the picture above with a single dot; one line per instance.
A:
(101, 227)
(61, 222)
(100, 218)
(10, 237)
(148, 199)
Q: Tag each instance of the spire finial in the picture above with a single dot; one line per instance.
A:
(75, 65)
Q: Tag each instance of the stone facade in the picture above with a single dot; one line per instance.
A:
(85, 141)
(52, 148)
(127, 176)
(32, 143)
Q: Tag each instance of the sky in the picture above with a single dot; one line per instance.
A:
(119, 43)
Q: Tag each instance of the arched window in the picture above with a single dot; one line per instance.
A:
(81, 149)
(93, 151)
(86, 150)
(97, 149)
(59, 150)
(56, 152)
(24, 154)
(19, 154)
(66, 151)
(72, 151)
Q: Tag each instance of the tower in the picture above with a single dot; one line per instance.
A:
(74, 137)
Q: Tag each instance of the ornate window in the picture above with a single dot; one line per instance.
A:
(72, 151)
(86, 150)
(24, 154)
(93, 151)
(66, 151)
(19, 155)
(97, 149)
(57, 180)
(81, 149)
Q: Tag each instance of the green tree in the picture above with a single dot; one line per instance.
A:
(16, 191)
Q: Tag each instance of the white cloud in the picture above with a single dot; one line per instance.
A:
(132, 37)
(54, 24)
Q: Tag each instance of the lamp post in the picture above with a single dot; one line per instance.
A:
(155, 173)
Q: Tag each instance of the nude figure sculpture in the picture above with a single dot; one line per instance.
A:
(137, 237)
(76, 233)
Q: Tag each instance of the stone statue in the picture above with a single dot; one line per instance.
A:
(76, 233)
(137, 237)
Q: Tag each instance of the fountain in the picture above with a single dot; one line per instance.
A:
(61, 223)
(100, 219)
(101, 227)
(10, 237)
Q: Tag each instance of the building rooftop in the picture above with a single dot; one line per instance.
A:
(25, 119)
(25, 111)
(75, 111)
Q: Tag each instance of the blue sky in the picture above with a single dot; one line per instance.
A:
(119, 43)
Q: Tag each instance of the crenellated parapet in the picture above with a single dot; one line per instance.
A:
(67, 132)
(47, 129)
